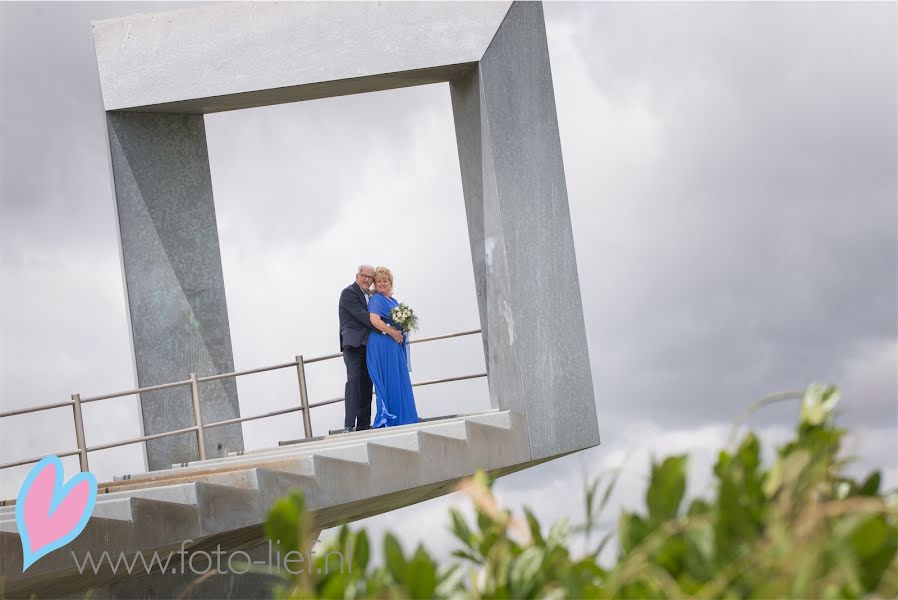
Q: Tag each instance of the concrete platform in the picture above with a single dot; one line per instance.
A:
(224, 501)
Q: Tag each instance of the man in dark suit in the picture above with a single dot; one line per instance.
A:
(355, 325)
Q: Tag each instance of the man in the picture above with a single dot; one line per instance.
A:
(355, 325)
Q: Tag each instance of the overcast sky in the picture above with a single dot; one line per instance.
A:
(731, 173)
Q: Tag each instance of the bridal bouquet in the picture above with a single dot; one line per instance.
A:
(404, 318)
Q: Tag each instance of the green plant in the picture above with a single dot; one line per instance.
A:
(801, 529)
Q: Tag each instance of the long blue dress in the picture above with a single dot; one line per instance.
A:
(388, 368)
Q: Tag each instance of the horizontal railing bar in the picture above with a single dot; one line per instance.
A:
(248, 372)
(444, 337)
(22, 411)
(427, 339)
(208, 378)
(326, 402)
(163, 386)
(275, 413)
(144, 438)
(320, 358)
(433, 381)
(151, 388)
(26, 461)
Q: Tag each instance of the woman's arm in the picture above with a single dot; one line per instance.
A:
(382, 327)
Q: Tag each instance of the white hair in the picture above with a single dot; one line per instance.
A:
(364, 267)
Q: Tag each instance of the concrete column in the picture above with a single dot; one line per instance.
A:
(173, 278)
(521, 239)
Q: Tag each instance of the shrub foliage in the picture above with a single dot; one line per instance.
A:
(800, 528)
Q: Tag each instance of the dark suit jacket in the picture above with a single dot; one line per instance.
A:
(355, 323)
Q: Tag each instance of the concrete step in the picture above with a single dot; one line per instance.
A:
(346, 447)
(406, 442)
(456, 431)
(451, 427)
(226, 500)
(496, 420)
(343, 438)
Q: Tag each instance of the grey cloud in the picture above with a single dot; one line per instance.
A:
(757, 248)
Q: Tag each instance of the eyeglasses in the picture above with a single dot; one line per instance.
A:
(366, 276)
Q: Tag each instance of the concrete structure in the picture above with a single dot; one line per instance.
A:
(173, 279)
(522, 244)
(183, 64)
(222, 503)
(160, 74)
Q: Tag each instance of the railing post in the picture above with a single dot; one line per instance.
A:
(304, 397)
(79, 432)
(197, 416)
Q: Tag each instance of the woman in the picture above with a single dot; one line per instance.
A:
(388, 360)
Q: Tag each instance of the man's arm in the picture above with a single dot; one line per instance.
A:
(349, 301)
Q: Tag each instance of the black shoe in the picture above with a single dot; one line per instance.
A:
(348, 430)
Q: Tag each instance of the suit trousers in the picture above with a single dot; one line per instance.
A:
(358, 389)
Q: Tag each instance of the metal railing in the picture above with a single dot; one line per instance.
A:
(199, 427)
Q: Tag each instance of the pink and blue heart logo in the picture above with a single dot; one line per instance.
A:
(49, 514)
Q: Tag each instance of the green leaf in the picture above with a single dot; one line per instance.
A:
(558, 533)
(749, 455)
(666, 488)
(488, 538)
(591, 489)
(602, 543)
(633, 529)
(284, 522)
(534, 526)
(701, 536)
(421, 575)
(450, 582)
(524, 572)
(869, 536)
(608, 490)
(466, 555)
(460, 529)
(774, 479)
(395, 561)
(335, 586)
(876, 544)
(360, 552)
(698, 507)
(870, 487)
(343, 536)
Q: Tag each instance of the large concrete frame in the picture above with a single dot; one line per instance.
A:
(160, 73)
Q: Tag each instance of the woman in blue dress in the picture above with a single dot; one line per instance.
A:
(388, 360)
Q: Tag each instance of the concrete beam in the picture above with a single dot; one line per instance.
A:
(245, 54)
(522, 245)
(173, 279)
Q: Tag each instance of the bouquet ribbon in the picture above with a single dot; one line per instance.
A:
(408, 351)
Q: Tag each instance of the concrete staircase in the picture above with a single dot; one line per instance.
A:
(223, 502)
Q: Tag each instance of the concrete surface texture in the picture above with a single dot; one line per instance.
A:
(173, 279)
(243, 54)
(521, 239)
